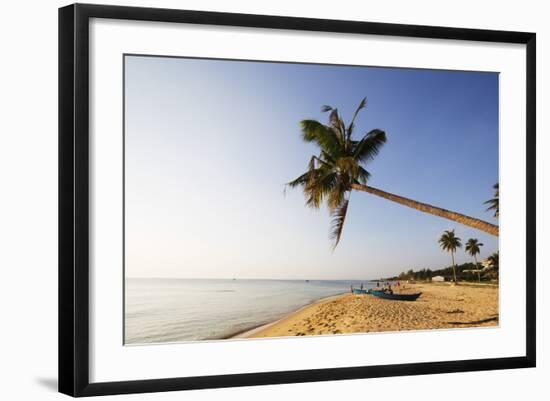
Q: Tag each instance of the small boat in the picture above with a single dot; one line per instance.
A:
(396, 297)
(358, 291)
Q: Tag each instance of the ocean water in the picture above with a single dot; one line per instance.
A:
(177, 310)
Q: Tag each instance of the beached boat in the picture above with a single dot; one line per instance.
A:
(358, 291)
(396, 297)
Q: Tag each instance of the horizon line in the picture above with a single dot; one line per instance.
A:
(251, 278)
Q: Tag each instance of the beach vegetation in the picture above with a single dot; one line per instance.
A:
(450, 242)
(493, 261)
(493, 202)
(473, 248)
(463, 273)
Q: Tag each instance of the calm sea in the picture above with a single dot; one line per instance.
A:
(171, 310)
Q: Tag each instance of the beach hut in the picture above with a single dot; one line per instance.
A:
(438, 279)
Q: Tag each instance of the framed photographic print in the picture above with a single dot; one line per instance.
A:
(249, 199)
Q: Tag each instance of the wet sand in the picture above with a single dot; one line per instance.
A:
(440, 306)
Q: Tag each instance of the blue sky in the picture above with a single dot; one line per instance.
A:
(211, 143)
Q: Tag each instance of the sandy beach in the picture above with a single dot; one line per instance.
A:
(440, 306)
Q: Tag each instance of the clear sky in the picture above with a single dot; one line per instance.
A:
(211, 143)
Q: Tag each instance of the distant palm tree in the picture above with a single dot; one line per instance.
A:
(493, 203)
(450, 242)
(493, 260)
(338, 169)
(472, 247)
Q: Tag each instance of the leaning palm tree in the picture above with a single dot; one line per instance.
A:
(493, 203)
(338, 169)
(450, 242)
(472, 247)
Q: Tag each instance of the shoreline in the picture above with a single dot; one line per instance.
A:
(248, 333)
(441, 306)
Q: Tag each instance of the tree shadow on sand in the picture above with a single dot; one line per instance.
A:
(490, 319)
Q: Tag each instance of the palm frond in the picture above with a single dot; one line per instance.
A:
(473, 246)
(338, 193)
(338, 220)
(311, 167)
(327, 157)
(321, 185)
(493, 260)
(338, 125)
(362, 176)
(314, 131)
(334, 118)
(348, 167)
(449, 241)
(368, 147)
(326, 108)
(352, 123)
(301, 181)
(494, 202)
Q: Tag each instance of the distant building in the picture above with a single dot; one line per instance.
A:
(486, 264)
(438, 278)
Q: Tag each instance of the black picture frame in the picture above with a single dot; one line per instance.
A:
(74, 198)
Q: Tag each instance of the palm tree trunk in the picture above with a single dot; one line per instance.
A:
(454, 271)
(477, 268)
(436, 211)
